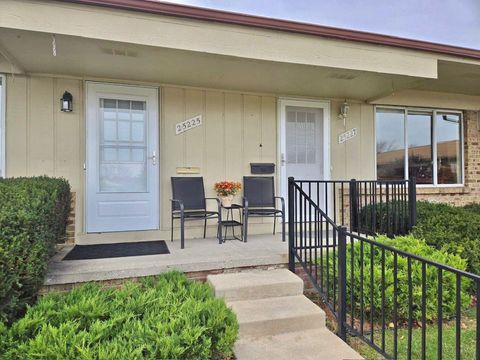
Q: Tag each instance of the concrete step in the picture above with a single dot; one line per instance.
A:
(318, 344)
(256, 284)
(276, 315)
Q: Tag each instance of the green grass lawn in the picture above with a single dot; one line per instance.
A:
(468, 340)
(468, 334)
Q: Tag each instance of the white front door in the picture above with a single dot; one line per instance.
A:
(304, 144)
(122, 158)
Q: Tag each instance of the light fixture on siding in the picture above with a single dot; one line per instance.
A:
(66, 102)
(344, 108)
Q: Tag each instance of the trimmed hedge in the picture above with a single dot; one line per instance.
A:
(168, 317)
(33, 217)
(411, 245)
(384, 219)
(443, 226)
(453, 229)
(473, 207)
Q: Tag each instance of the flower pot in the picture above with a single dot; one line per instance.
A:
(227, 200)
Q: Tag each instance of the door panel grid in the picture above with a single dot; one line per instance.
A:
(122, 146)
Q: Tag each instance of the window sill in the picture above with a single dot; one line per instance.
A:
(427, 190)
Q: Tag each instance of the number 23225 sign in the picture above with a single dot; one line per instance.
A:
(188, 124)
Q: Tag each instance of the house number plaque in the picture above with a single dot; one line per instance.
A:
(347, 135)
(188, 124)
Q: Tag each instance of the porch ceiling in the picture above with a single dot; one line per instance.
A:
(31, 52)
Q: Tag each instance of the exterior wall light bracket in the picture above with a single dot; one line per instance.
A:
(344, 108)
(66, 102)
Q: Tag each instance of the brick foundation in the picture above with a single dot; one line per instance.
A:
(307, 284)
(70, 233)
(194, 275)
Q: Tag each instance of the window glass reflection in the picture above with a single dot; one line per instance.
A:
(448, 148)
(390, 144)
(420, 151)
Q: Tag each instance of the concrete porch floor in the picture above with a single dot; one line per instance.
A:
(198, 255)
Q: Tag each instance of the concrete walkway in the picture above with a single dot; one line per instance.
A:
(198, 255)
(276, 320)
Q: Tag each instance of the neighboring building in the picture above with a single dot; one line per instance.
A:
(264, 90)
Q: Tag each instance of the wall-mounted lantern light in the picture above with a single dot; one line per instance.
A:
(66, 102)
(344, 108)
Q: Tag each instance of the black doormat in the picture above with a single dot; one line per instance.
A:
(102, 251)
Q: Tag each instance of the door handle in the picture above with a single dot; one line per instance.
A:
(282, 159)
(153, 157)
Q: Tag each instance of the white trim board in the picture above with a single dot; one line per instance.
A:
(3, 106)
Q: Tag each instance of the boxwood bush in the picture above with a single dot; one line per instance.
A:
(33, 217)
(384, 218)
(443, 226)
(411, 245)
(453, 229)
(168, 317)
(473, 207)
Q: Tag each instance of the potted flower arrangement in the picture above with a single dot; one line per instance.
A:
(226, 190)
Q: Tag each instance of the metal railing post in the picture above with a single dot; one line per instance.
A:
(353, 203)
(342, 283)
(412, 201)
(291, 224)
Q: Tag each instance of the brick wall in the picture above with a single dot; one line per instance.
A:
(70, 234)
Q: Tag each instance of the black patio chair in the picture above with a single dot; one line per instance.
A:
(259, 200)
(189, 203)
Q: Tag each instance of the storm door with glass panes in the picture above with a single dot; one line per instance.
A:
(122, 158)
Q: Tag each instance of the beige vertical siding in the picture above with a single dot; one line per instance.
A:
(16, 126)
(40, 139)
(237, 129)
(354, 158)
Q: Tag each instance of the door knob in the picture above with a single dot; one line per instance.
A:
(154, 158)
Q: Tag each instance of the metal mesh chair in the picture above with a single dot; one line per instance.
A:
(189, 203)
(259, 200)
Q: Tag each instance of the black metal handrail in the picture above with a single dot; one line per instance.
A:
(349, 271)
(366, 206)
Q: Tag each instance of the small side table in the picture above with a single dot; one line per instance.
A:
(231, 223)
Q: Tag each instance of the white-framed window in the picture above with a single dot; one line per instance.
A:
(424, 143)
(2, 125)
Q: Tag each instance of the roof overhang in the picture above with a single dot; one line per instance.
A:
(199, 13)
(120, 44)
(253, 43)
(87, 58)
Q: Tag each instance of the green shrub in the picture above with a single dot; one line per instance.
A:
(473, 207)
(414, 246)
(168, 317)
(33, 217)
(452, 229)
(391, 218)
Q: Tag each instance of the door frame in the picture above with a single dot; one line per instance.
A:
(157, 104)
(3, 136)
(281, 153)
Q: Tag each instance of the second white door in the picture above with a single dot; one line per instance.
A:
(304, 144)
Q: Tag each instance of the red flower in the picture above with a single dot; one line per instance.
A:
(225, 188)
